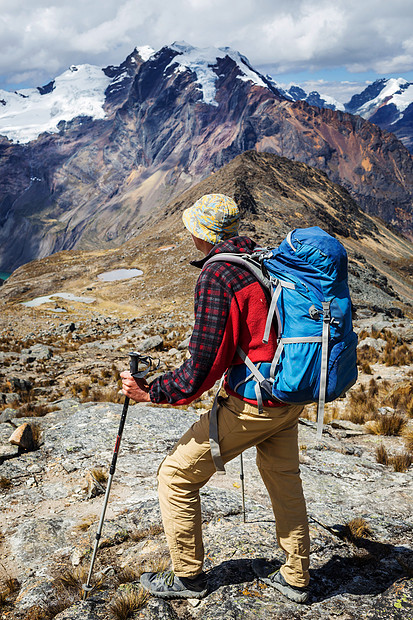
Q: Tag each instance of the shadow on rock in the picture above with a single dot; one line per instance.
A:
(370, 570)
(230, 573)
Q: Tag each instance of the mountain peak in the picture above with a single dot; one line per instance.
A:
(145, 52)
(203, 62)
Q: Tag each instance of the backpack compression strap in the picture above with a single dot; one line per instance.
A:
(213, 433)
(324, 364)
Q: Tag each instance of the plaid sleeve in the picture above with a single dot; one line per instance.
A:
(212, 346)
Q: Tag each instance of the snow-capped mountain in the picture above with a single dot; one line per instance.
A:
(83, 90)
(160, 123)
(203, 61)
(79, 91)
(296, 93)
(391, 92)
(389, 104)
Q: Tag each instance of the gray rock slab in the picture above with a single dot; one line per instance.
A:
(341, 480)
(35, 540)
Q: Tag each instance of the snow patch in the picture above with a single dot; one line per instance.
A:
(80, 91)
(202, 61)
(397, 91)
(145, 52)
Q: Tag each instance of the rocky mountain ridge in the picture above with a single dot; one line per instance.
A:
(275, 195)
(96, 182)
(387, 102)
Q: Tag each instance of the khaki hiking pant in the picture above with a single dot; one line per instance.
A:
(189, 467)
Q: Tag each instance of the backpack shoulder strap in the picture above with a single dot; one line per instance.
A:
(245, 260)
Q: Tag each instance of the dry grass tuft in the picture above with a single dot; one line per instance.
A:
(381, 455)
(71, 579)
(5, 483)
(367, 355)
(99, 474)
(401, 462)
(125, 603)
(49, 609)
(397, 356)
(159, 563)
(408, 438)
(30, 410)
(153, 530)
(362, 405)
(9, 586)
(373, 388)
(356, 529)
(387, 424)
(85, 524)
(128, 574)
(12, 585)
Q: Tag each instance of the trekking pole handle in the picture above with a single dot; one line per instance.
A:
(146, 361)
(133, 363)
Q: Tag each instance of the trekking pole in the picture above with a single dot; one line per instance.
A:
(135, 360)
(241, 477)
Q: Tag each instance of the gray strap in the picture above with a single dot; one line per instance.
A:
(300, 339)
(254, 370)
(241, 382)
(276, 357)
(280, 347)
(323, 370)
(245, 261)
(213, 434)
(289, 241)
(273, 307)
(259, 398)
(261, 382)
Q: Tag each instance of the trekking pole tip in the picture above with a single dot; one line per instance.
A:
(86, 589)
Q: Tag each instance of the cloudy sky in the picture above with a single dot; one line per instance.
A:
(312, 42)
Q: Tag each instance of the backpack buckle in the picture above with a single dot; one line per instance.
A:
(326, 312)
(314, 313)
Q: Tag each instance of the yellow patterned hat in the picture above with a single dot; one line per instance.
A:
(213, 218)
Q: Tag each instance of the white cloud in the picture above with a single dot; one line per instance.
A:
(43, 37)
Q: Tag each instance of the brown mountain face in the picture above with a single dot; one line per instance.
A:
(275, 195)
(97, 183)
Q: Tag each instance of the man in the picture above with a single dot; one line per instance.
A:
(231, 308)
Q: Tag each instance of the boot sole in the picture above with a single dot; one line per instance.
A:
(286, 591)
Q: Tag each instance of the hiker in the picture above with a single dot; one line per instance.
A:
(231, 309)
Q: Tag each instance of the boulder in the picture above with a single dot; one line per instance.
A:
(153, 342)
(23, 437)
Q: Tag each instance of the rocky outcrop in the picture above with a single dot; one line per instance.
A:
(95, 183)
(54, 522)
(275, 195)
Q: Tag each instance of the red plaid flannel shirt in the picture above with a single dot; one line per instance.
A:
(230, 309)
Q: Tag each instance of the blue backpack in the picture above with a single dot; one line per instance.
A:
(315, 360)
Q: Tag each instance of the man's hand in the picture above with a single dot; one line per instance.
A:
(137, 389)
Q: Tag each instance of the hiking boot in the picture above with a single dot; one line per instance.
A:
(265, 571)
(169, 585)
